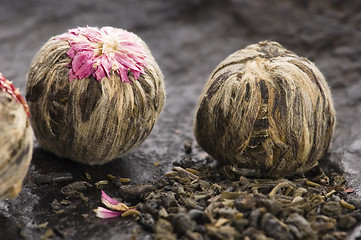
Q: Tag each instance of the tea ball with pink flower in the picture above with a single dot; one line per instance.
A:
(16, 139)
(94, 94)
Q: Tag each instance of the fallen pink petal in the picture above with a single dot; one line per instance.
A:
(120, 208)
(106, 213)
(100, 52)
(113, 203)
(350, 190)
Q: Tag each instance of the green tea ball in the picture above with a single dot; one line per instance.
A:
(94, 94)
(266, 109)
(16, 141)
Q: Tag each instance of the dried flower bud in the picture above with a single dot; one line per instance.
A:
(16, 142)
(94, 94)
(266, 109)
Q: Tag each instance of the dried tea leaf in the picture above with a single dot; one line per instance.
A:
(75, 187)
(229, 195)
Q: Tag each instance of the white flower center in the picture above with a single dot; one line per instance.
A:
(109, 45)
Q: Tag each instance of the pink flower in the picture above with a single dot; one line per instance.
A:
(7, 86)
(100, 52)
(120, 208)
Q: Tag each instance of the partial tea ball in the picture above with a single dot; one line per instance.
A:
(267, 110)
(16, 139)
(94, 94)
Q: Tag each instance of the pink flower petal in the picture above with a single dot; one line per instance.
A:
(78, 60)
(99, 73)
(72, 75)
(85, 70)
(349, 190)
(105, 197)
(106, 64)
(7, 86)
(123, 74)
(136, 74)
(106, 213)
(125, 60)
(71, 53)
(113, 203)
(101, 52)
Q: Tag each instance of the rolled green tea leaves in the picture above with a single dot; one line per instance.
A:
(94, 94)
(267, 110)
(16, 141)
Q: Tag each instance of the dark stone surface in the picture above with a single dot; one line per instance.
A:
(188, 39)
